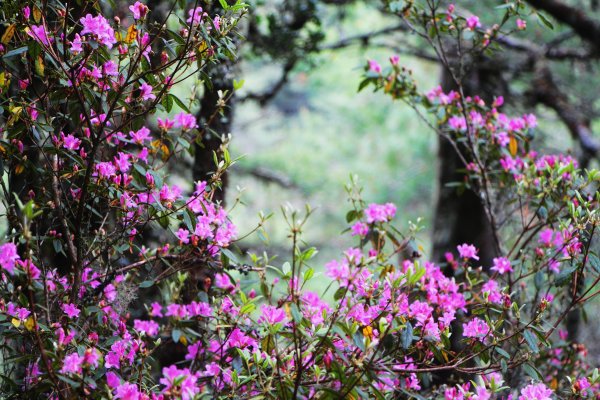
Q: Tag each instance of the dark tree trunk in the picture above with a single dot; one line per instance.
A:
(214, 121)
(460, 216)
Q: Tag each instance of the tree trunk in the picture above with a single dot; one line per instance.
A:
(460, 216)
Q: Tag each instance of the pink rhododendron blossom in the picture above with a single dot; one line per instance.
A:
(99, 28)
(8, 257)
(128, 391)
(73, 364)
(71, 310)
(139, 10)
(502, 265)
(76, 44)
(150, 328)
(146, 92)
(271, 315)
(380, 212)
(195, 16)
(70, 142)
(374, 66)
(476, 328)
(537, 391)
(467, 251)
(360, 229)
(185, 121)
(38, 32)
(521, 24)
(473, 22)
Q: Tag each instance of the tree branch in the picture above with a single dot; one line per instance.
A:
(585, 27)
(545, 91)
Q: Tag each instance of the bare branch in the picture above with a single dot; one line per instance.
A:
(585, 27)
(546, 91)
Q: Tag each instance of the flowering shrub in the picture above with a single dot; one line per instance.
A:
(79, 99)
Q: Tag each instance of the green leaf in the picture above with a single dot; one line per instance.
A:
(502, 352)
(146, 284)
(594, 262)
(339, 294)
(296, 314)
(531, 371)
(406, 336)
(565, 275)
(15, 52)
(532, 341)
(308, 274)
(229, 254)
(545, 20)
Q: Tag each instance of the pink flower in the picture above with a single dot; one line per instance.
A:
(476, 328)
(395, 59)
(271, 315)
(536, 392)
(26, 12)
(141, 135)
(473, 22)
(165, 124)
(222, 281)
(195, 16)
(360, 229)
(380, 212)
(128, 391)
(29, 267)
(150, 328)
(185, 121)
(72, 364)
(502, 265)
(146, 92)
(521, 24)
(156, 310)
(70, 142)
(139, 10)
(374, 66)
(99, 28)
(582, 384)
(467, 251)
(76, 45)
(338, 271)
(71, 310)
(457, 123)
(8, 257)
(183, 235)
(38, 32)
(110, 68)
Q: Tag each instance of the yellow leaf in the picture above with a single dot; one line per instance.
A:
(368, 331)
(183, 340)
(202, 47)
(29, 323)
(131, 34)
(166, 152)
(2, 79)
(39, 65)
(37, 14)
(513, 146)
(16, 322)
(554, 384)
(388, 85)
(8, 34)
(19, 169)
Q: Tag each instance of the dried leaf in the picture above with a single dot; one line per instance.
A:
(8, 34)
